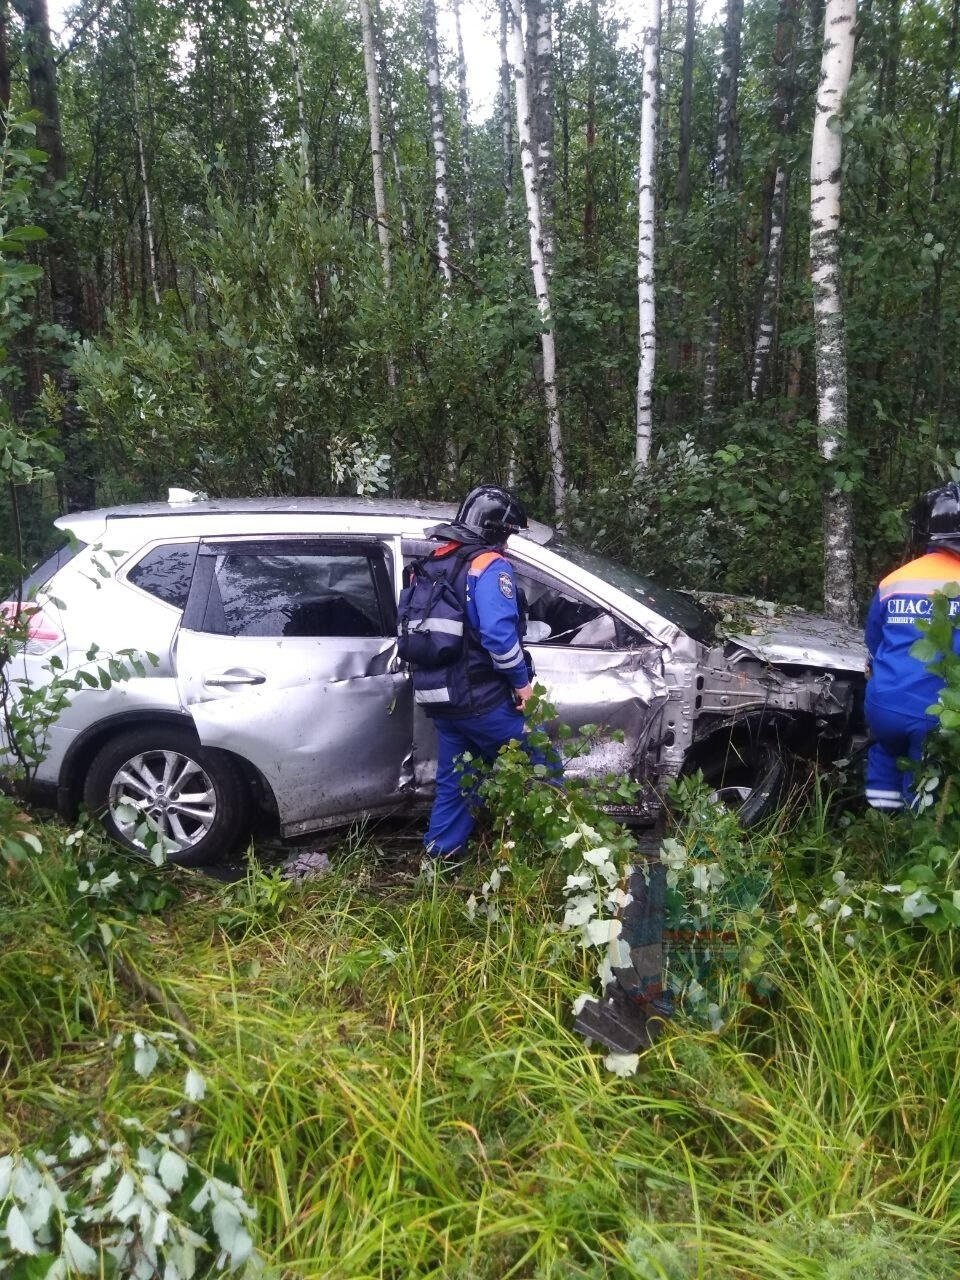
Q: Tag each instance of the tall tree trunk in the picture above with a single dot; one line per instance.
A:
(65, 283)
(463, 103)
(563, 97)
(887, 99)
(506, 114)
(42, 79)
(647, 202)
(142, 163)
(441, 207)
(726, 131)
(766, 322)
(4, 57)
(541, 284)
(544, 112)
(506, 177)
(294, 44)
(387, 91)
(784, 91)
(589, 176)
(829, 328)
(686, 103)
(943, 126)
(147, 203)
(376, 155)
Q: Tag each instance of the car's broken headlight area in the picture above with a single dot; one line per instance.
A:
(812, 712)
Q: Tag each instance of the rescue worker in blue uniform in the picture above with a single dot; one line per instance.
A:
(900, 687)
(476, 700)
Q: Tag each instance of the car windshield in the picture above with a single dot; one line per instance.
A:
(677, 607)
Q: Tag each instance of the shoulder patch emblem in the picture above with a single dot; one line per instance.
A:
(506, 585)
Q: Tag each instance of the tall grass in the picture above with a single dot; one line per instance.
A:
(399, 1089)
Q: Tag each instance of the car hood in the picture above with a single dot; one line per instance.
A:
(786, 635)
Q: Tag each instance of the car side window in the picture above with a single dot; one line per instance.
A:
(304, 593)
(557, 615)
(166, 572)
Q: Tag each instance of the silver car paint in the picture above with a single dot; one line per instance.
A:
(302, 729)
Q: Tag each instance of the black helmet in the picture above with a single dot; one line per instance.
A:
(487, 514)
(935, 520)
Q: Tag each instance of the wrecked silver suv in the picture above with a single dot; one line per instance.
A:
(278, 686)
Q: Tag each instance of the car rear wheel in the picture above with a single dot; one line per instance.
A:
(194, 798)
(747, 779)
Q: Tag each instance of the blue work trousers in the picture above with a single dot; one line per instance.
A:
(453, 817)
(896, 735)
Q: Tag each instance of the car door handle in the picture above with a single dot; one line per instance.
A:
(233, 678)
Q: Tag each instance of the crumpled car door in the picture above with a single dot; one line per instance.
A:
(620, 689)
(286, 657)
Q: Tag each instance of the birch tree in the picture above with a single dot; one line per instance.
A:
(385, 85)
(376, 155)
(538, 265)
(4, 61)
(438, 133)
(726, 116)
(506, 117)
(544, 112)
(646, 186)
(829, 327)
(304, 135)
(463, 103)
(147, 203)
(771, 283)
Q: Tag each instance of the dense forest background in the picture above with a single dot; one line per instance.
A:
(213, 307)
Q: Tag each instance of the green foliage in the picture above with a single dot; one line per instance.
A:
(398, 1092)
(20, 165)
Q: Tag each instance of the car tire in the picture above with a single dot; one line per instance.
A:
(215, 815)
(749, 781)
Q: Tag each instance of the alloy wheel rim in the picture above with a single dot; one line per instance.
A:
(170, 791)
(731, 795)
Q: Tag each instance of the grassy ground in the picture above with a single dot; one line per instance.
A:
(398, 1089)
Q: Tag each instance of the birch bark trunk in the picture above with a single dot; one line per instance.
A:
(147, 205)
(506, 116)
(646, 245)
(726, 123)
(4, 60)
(541, 284)
(386, 89)
(294, 44)
(463, 103)
(544, 112)
(785, 51)
(376, 154)
(829, 328)
(771, 285)
(441, 204)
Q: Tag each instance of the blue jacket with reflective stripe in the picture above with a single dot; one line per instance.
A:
(492, 662)
(899, 681)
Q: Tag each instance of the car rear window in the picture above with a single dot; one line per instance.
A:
(43, 572)
(166, 572)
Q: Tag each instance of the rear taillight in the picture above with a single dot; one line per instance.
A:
(42, 631)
